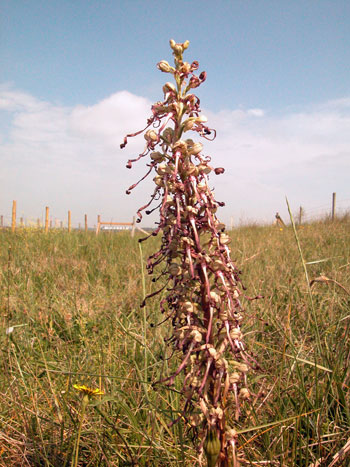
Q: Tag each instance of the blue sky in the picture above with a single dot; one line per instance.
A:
(76, 75)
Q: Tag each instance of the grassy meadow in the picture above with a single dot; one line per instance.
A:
(71, 306)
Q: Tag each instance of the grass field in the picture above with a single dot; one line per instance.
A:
(70, 304)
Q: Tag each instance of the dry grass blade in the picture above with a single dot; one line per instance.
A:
(340, 456)
(323, 278)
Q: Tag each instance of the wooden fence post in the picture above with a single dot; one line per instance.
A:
(333, 205)
(14, 208)
(46, 219)
(2, 221)
(61, 224)
(279, 220)
(133, 226)
(98, 224)
(300, 214)
(69, 222)
(86, 223)
(21, 223)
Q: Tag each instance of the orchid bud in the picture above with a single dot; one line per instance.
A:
(185, 68)
(169, 169)
(196, 148)
(178, 49)
(201, 186)
(219, 413)
(231, 434)
(220, 226)
(238, 317)
(192, 210)
(244, 394)
(194, 82)
(188, 124)
(241, 367)
(221, 363)
(164, 66)
(168, 134)
(151, 136)
(195, 382)
(187, 241)
(224, 239)
(162, 168)
(180, 145)
(158, 180)
(187, 307)
(170, 201)
(191, 169)
(204, 168)
(223, 315)
(216, 297)
(202, 119)
(157, 156)
(178, 107)
(218, 265)
(169, 87)
(196, 336)
(235, 333)
(174, 269)
(234, 378)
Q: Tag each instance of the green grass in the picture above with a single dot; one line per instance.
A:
(73, 301)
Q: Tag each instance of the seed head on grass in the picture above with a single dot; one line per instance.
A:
(203, 300)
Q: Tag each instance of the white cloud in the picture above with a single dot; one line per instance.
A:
(69, 158)
(14, 100)
(256, 112)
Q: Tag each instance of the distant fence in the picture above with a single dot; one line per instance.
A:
(335, 209)
(48, 224)
(331, 212)
(115, 225)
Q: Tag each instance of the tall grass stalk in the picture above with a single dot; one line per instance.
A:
(144, 314)
(314, 317)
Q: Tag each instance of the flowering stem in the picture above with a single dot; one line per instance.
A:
(84, 404)
(202, 283)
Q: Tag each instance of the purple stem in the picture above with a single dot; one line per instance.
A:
(181, 367)
(205, 377)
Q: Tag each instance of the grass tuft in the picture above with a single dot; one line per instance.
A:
(70, 305)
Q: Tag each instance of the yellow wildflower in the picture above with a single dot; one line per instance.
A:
(88, 391)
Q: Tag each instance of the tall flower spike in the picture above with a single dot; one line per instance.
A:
(203, 284)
